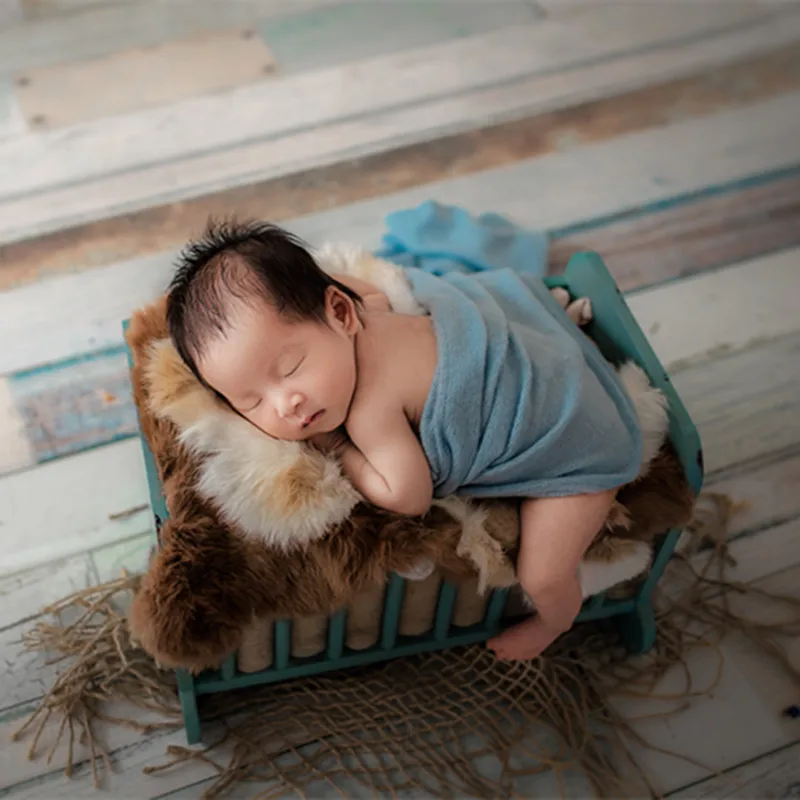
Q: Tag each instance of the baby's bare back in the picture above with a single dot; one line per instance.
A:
(396, 364)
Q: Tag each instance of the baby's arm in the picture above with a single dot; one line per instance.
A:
(386, 462)
(555, 534)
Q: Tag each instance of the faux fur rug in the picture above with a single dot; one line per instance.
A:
(451, 724)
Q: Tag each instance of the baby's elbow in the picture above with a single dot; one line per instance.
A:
(412, 503)
(412, 507)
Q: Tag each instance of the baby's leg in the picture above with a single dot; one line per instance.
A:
(555, 534)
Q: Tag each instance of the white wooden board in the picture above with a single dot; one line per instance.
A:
(350, 31)
(12, 121)
(16, 451)
(400, 105)
(771, 777)
(130, 80)
(110, 27)
(71, 505)
(737, 722)
(745, 405)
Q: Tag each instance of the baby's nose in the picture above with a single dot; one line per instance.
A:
(289, 405)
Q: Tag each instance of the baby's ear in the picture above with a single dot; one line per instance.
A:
(341, 310)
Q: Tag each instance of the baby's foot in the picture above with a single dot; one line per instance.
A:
(561, 296)
(523, 642)
(580, 311)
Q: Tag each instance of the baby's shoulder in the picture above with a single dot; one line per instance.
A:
(398, 361)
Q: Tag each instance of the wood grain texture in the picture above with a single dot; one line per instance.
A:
(12, 122)
(126, 81)
(771, 777)
(16, 451)
(350, 31)
(71, 505)
(101, 28)
(597, 180)
(74, 404)
(385, 112)
(730, 403)
(284, 198)
(695, 234)
(734, 722)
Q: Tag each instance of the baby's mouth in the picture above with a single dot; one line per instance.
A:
(313, 418)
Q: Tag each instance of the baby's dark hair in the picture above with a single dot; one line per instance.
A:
(250, 261)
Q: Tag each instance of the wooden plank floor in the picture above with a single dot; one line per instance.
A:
(663, 137)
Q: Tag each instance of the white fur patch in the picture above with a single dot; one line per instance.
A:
(359, 263)
(246, 476)
(651, 409)
(597, 576)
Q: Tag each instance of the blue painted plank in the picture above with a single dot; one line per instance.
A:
(357, 30)
(75, 404)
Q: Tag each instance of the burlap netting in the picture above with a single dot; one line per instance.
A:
(211, 589)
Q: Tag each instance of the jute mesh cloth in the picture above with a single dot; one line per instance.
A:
(454, 723)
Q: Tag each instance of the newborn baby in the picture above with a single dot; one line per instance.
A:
(307, 356)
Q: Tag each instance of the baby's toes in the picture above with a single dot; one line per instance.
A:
(561, 296)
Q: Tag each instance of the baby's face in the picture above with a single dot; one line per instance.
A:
(293, 380)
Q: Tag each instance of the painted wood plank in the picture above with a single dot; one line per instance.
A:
(704, 232)
(55, 160)
(115, 194)
(10, 12)
(94, 305)
(25, 676)
(39, 9)
(112, 27)
(16, 450)
(631, 171)
(12, 121)
(64, 156)
(355, 30)
(24, 594)
(736, 722)
(285, 197)
(768, 493)
(61, 403)
(130, 80)
(594, 181)
(704, 315)
(72, 505)
(770, 777)
(731, 412)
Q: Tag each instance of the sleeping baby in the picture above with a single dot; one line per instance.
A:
(492, 393)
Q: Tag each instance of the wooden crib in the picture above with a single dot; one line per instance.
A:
(405, 617)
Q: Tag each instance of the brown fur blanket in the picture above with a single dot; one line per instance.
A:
(211, 577)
